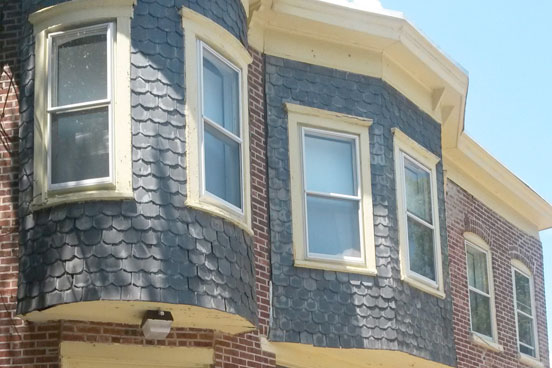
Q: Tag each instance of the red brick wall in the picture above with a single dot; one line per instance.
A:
(259, 191)
(465, 213)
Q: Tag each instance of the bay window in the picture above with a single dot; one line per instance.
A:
(82, 130)
(330, 190)
(417, 209)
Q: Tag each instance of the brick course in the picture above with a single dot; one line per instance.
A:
(465, 213)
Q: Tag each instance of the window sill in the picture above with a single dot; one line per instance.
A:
(85, 196)
(219, 211)
(530, 361)
(338, 267)
(484, 342)
(429, 289)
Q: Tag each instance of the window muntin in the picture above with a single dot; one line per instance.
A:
(525, 313)
(221, 128)
(481, 313)
(332, 195)
(80, 107)
(419, 214)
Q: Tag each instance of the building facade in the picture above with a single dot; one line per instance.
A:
(281, 187)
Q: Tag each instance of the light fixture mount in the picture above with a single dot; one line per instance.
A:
(156, 324)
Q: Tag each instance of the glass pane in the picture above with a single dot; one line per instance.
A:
(420, 244)
(333, 227)
(222, 166)
(480, 307)
(330, 165)
(82, 70)
(80, 145)
(527, 350)
(525, 330)
(418, 190)
(477, 269)
(523, 293)
(220, 93)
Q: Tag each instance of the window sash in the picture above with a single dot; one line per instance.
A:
(520, 312)
(355, 198)
(206, 121)
(408, 214)
(67, 36)
(489, 295)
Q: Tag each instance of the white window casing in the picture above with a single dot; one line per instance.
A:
(54, 27)
(475, 245)
(528, 353)
(312, 134)
(202, 37)
(409, 152)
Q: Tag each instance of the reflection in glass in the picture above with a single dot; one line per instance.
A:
(222, 166)
(333, 227)
(329, 165)
(421, 251)
(477, 270)
(80, 145)
(480, 307)
(418, 191)
(220, 93)
(82, 70)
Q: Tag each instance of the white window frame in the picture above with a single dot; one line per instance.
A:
(478, 244)
(405, 146)
(67, 36)
(522, 269)
(201, 45)
(199, 32)
(358, 198)
(66, 19)
(303, 119)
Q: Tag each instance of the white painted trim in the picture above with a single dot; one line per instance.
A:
(521, 268)
(198, 28)
(472, 240)
(64, 17)
(404, 145)
(302, 117)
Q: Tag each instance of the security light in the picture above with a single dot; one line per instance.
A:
(156, 324)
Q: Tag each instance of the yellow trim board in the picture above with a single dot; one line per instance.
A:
(75, 354)
(295, 355)
(479, 173)
(131, 313)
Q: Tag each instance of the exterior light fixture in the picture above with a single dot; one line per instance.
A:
(156, 324)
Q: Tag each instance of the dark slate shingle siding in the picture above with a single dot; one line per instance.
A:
(334, 309)
(153, 248)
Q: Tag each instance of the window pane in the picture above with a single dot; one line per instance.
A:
(80, 145)
(477, 269)
(220, 93)
(527, 350)
(82, 70)
(418, 190)
(420, 244)
(525, 330)
(480, 307)
(222, 166)
(330, 165)
(333, 227)
(523, 293)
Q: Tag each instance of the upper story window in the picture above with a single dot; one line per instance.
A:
(79, 110)
(481, 292)
(82, 147)
(524, 305)
(330, 190)
(420, 246)
(221, 142)
(217, 128)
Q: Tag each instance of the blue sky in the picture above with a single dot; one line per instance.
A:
(506, 48)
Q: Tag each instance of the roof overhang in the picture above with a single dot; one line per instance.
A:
(383, 44)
